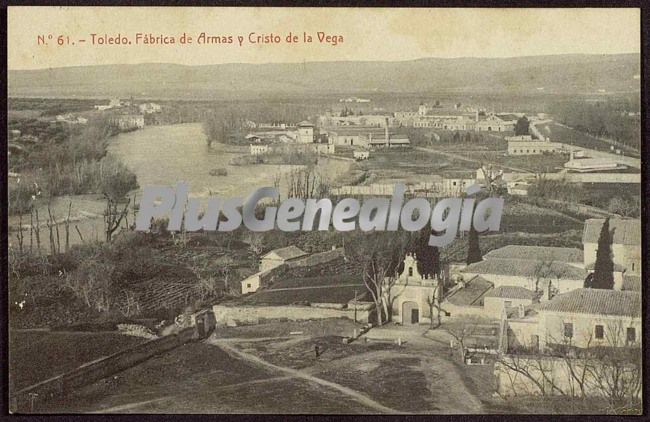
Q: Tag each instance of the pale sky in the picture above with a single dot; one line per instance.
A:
(368, 34)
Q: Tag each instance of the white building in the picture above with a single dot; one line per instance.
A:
(531, 267)
(500, 300)
(532, 147)
(412, 293)
(360, 155)
(280, 256)
(128, 121)
(259, 149)
(626, 243)
(590, 164)
(580, 318)
(149, 108)
(305, 133)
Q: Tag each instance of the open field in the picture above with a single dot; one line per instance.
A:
(242, 369)
(35, 356)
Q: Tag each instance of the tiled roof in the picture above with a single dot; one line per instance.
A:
(470, 294)
(290, 252)
(525, 268)
(596, 302)
(631, 282)
(625, 231)
(542, 253)
(511, 292)
(617, 267)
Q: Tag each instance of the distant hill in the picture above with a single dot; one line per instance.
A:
(555, 74)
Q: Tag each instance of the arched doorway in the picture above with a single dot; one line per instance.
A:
(410, 313)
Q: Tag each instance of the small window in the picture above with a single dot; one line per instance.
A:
(248, 285)
(507, 304)
(633, 266)
(453, 183)
(631, 335)
(568, 330)
(599, 332)
(410, 271)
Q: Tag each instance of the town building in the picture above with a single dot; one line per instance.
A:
(259, 149)
(112, 103)
(537, 268)
(580, 318)
(583, 165)
(532, 147)
(361, 155)
(366, 120)
(494, 123)
(503, 298)
(455, 184)
(71, 119)
(149, 108)
(305, 133)
(128, 121)
(414, 295)
(280, 256)
(466, 297)
(626, 243)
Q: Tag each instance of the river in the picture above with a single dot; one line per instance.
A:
(167, 155)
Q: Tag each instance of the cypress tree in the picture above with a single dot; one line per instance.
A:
(604, 266)
(473, 248)
(428, 257)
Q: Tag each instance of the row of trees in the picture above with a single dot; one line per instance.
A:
(602, 119)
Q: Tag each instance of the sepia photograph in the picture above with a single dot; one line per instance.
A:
(274, 210)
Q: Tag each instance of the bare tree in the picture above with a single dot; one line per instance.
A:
(113, 216)
(378, 255)
(433, 301)
(461, 330)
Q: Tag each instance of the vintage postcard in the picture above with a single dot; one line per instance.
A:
(324, 211)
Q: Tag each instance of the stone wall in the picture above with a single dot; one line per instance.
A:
(246, 314)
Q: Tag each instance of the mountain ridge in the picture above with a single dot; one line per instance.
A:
(571, 73)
